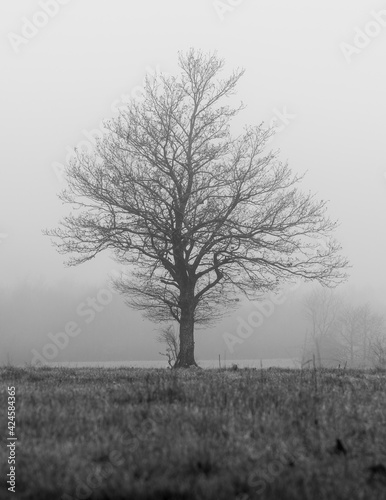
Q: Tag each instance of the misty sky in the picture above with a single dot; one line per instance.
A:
(309, 65)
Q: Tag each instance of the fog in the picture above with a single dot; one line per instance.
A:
(316, 71)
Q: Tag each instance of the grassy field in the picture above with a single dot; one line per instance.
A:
(196, 434)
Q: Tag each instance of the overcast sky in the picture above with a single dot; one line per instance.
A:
(318, 68)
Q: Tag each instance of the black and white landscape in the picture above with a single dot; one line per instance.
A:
(192, 240)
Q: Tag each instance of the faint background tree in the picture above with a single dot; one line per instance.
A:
(377, 350)
(342, 332)
(322, 309)
(349, 331)
(360, 328)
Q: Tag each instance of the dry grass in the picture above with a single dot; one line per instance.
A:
(197, 434)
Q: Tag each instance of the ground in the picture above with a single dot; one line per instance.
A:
(196, 434)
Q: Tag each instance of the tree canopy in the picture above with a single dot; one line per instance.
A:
(197, 214)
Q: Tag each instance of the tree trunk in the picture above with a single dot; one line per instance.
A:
(186, 355)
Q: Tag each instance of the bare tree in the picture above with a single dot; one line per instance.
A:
(349, 331)
(198, 214)
(377, 350)
(342, 331)
(169, 338)
(371, 328)
(323, 308)
(360, 327)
